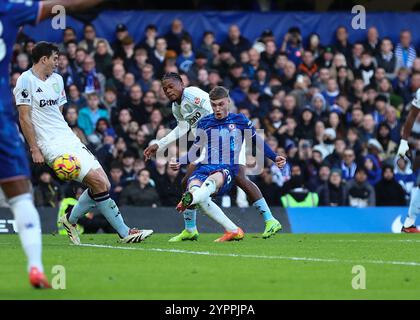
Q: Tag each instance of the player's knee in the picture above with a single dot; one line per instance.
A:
(98, 182)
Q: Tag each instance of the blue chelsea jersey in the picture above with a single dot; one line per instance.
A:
(13, 14)
(223, 138)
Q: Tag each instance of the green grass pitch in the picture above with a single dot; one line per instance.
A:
(287, 266)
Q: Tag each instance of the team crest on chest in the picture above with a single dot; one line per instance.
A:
(232, 126)
(56, 87)
(197, 100)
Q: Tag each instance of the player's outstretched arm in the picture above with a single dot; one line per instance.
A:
(29, 133)
(180, 130)
(280, 161)
(411, 118)
(71, 5)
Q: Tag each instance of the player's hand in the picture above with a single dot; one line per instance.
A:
(174, 165)
(37, 156)
(280, 161)
(403, 148)
(150, 151)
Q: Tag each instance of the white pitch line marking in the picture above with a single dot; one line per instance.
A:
(215, 254)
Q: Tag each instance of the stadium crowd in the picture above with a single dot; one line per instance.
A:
(335, 110)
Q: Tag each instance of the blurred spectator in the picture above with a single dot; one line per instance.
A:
(69, 74)
(269, 55)
(47, 192)
(174, 36)
(386, 58)
(405, 176)
(308, 65)
(404, 51)
(159, 54)
(129, 174)
(297, 194)
(117, 78)
(71, 117)
(186, 56)
(103, 59)
(75, 97)
(360, 193)
(140, 192)
(292, 45)
(128, 49)
(103, 128)
(270, 190)
(169, 186)
(149, 40)
(69, 34)
(207, 43)
(22, 63)
(388, 191)
(372, 42)
(121, 32)
(333, 160)
(90, 41)
(138, 62)
(146, 77)
(373, 169)
(89, 115)
(91, 81)
(333, 192)
(342, 44)
(348, 164)
(115, 175)
(235, 42)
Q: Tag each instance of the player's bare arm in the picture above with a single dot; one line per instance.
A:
(29, 133)
(411, 118)
(71, 5)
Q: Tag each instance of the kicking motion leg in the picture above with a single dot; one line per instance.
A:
(201, 195)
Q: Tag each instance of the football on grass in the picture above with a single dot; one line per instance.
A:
(66, 167)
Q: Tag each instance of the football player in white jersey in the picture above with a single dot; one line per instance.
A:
(414, 209)
(40, 97)
(189, 105)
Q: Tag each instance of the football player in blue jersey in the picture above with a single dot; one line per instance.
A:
(189, 105)
(14, 169)
(221, 135)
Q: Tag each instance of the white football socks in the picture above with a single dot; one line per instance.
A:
(204, 192)
(214, 212)
(413, 210)
(29, 228)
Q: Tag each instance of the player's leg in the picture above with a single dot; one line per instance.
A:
(29, 227)
(190, 232)
(199, 193)
(97, 195)
(190, 214)
(99, 185)
(254, 194)
(14, 180)
(413, 212)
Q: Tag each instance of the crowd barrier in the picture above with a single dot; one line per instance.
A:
(298, 220)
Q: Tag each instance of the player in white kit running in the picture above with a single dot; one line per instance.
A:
(414, 209)
(40, 96)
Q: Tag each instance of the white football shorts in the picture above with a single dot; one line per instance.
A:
(75, 148)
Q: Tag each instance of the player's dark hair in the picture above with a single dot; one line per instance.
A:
(43, 49)
(218, 93)
(172, 76)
